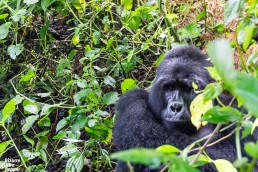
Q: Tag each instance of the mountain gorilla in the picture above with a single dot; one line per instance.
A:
(162, 115)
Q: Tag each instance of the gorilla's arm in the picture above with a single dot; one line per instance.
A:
(136, 126)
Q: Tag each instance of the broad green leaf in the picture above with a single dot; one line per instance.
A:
(29, 2)
(108, 80)
(47, 109)
(15, 50)
(221, 55)
(4, 30)
(3, 16)
(202, 160)
(59, 135)
(61, 68)
(31, 109)
(96, 37)
(128, 4)
(213, 73)
(75, 163)
(247, 91)
(43, 133)
(79, 5)
(19, 15)
(247, 129)
(224, 166)
(100, 132)
(134, 20)
(30, 75)
(198, 108)
(222, 115)
(30, 155)
(140, 155)
(109, 42)
(31, 141)
(42, 143)
(3, 146)
(252, 149)
(130, 55)
(102, 113)
(232, 10)
(44, 122)
(110, 98)
(168, 149)
(81, 96)
(76, 39)
(9, 109)
(128, 84)
(46, 3)
(68, 150)
(212, 91)
(248, 36)
(29, 121)
(18, 99)
(61, 124)
(79, 123)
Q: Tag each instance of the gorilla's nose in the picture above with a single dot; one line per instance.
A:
(176, 107)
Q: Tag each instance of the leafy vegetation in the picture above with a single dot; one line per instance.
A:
(63, 65)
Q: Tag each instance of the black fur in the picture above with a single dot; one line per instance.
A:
(141, 122)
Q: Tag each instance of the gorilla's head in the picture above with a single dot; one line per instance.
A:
(172, 91)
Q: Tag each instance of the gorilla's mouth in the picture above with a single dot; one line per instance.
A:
(178, 118)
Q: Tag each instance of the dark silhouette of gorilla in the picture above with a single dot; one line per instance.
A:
(161, 116)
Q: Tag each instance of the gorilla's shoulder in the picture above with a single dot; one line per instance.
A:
(131, 97)
(187, 51)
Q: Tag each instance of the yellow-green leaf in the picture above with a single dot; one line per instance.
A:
(9, 108)
(75, 39)
(223, 165)
(197, 109)
(168, 149)
(254, 125)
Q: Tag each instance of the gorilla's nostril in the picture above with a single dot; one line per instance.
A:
(176, 107)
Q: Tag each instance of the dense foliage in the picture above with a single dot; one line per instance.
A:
(63, 65)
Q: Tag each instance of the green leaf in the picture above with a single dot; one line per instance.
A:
(29, 121)
(197, 108)
(68, 150)
(79, 5)
(128, 84)
(31, 141)
(252, 149)
(43, 31)
(29, 76)
(81, 96)
(79, 123)
(3, 16)
(61, 68)
(247, 129)
(100, 132)
(213, 73)
(9, 109)
(102, 113)
(255, 124)
(47, 109)
(3, 146)
(128, 4)
(224, 166)
(29, 155)
(96, 37)
(76, 39)
(202, 160)
(61, 124)
(75, 163)
(29, 2)
(108, 80)
(222, 115)
(247, 91)
(110, 98)
(212, 91)
(31, 109)
(221, 55)
(46, 3)
(19, 15)
(168, 149)
(42, 143)
(140, 155)
(109, 42)
(248, 36)
(60, 135)
(158, 61)
(232, 10)
(15, 50)
(4, 30)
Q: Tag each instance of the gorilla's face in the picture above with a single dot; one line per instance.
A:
(172, 91)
